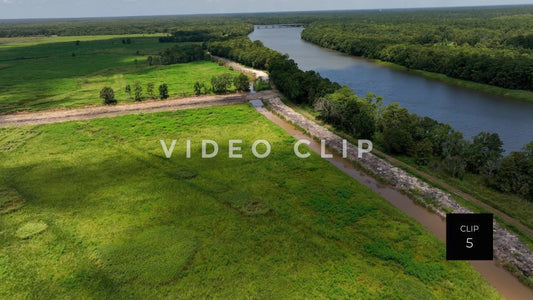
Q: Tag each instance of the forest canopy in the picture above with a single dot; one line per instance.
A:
(480, 46)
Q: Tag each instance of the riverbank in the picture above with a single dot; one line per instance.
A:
(475, 86)
(480, 87)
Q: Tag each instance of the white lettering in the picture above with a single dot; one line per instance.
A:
(204, 149)
(323, 150)
(168, 152)
(267, 152)
(232, 149)
(362, 150)
(297, 151)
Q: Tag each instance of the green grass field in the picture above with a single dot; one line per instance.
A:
(56, 73)
(93, 209)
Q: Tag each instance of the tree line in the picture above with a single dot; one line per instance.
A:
(181, 53)
(223, 83)
(107, 94)
(429, 142)
(170, 24)
(394, 128)
(284, 72)
(220, 84)
(495, 50)
(224, 26)
(207, 33)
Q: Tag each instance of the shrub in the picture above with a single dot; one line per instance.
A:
(222, 83)
(241, 83)
(150, 90)
(163, 91)
(108, 95)
(138, 91)
(200, 88)
(261, 85)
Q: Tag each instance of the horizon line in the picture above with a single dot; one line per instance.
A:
(2, 20)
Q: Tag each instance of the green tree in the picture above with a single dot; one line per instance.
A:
(163, 91)
(200, 88)
(396, 125)
(453, 144)
(345, 110)
(222, 83)
(485, 151)
(515, 173)
(423, 151)
(512, 176)
(138, 91)
(261, 85)
(150, 90)
(108, 95)
(241, 83)
(127, 89)
(454, 165)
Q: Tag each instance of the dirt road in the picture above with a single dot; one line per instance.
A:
(92, 112)
(238, 67)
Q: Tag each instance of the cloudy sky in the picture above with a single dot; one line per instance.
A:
(13, 9)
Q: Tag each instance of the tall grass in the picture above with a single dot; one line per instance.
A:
(125, 222)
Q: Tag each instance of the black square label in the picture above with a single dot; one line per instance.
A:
(469, 237)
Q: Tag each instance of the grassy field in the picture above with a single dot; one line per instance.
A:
(93, 209)
(55, 72)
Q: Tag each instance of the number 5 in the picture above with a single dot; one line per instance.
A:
(469, 243)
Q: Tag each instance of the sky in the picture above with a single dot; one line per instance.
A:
(17, 9)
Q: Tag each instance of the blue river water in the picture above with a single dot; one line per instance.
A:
(466, 110)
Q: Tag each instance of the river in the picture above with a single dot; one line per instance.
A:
(466, 110)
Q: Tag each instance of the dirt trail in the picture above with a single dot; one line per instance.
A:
(92, 112)
(238, 67)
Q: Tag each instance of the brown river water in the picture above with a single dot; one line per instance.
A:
(502, 280)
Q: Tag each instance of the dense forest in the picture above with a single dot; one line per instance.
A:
(213, 25)
(206, 33)
(180, 53)
(479, 46)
